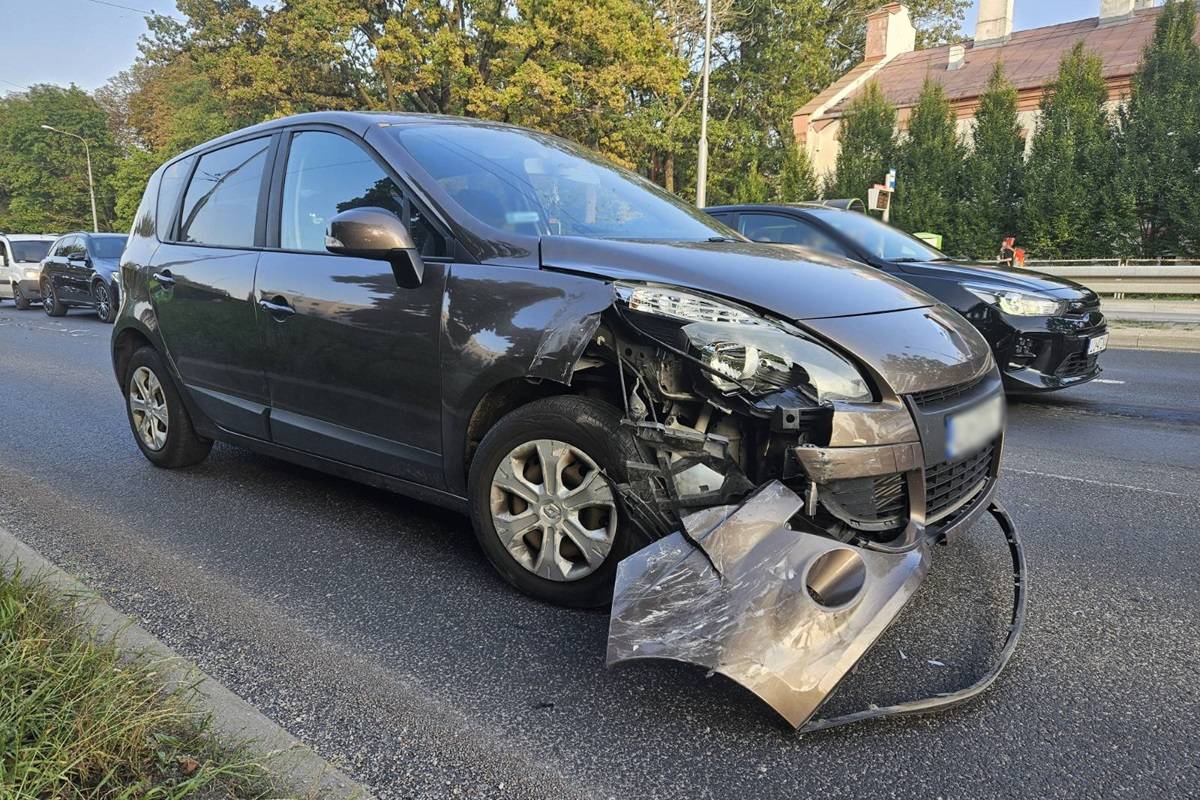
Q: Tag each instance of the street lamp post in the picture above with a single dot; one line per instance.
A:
(87, 152)
(702, 159)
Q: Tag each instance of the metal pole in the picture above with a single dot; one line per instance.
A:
(702, 158)
(87, 152)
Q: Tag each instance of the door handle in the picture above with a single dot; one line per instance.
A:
(165, 277)
(277, 307)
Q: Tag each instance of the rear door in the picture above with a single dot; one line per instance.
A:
(352, 358)
(202, 282)
(54, 268)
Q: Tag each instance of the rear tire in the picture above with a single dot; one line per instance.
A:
(50, 302)
(161, 425)
(580, 436)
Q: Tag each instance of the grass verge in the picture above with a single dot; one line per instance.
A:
(78, 719)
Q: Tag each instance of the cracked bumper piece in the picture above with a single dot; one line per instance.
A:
(786, 614)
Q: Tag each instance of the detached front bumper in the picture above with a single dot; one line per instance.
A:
(785, 614)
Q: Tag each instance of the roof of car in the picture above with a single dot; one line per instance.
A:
(29, 237)
(813, 204)
(358, 121)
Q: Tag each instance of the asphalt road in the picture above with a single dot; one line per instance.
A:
(370, 626)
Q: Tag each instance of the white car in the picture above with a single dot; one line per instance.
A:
(21, 255)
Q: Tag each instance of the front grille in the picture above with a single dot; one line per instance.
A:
(870, 500)
(949, 483)
(945, 394)
(1076, 365)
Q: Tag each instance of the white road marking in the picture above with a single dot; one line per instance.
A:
(1094, 482)
(1109, 380)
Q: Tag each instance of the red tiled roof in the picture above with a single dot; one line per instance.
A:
(1030, 59)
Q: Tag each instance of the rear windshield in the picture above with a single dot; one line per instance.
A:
(107, 246)
(30, 251)
(534, 184)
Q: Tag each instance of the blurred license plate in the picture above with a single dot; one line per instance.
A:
(969, 431)
(1097, 345)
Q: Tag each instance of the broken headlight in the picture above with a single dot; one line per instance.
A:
(743, 351)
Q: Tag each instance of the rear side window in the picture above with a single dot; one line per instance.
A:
(327, 174)
(221, 204)
(170, 187)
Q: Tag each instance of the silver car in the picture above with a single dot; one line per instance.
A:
(20, 265)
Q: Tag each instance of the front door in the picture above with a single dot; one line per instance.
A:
(202, 286)
(54, 269)
(352, 358)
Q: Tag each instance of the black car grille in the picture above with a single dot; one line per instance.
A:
(947, 484)
(945, 394)
(877, 499)
(1076, 365)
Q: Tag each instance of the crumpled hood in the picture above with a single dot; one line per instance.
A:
(1021, 280)
(793, 282)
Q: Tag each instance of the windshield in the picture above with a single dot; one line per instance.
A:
(107, 246)
(30, 251)
(534, 184)
(877, 238)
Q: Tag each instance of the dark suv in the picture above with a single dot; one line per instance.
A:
(502, 322)
(81, 271)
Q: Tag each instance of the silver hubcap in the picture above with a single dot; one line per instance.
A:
(553, 510)
(148, 407)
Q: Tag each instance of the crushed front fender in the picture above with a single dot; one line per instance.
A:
(784, 613)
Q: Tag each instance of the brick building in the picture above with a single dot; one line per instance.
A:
(1118, 35)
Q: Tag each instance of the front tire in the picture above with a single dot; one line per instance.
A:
(160, 423)
(544, 502)
(50, 302)
(19, 299)
(106, 303)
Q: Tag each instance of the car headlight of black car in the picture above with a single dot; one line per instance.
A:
(1019, 304)
(744, 351)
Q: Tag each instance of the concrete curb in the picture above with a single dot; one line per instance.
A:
(1154, 339)
(295, 765)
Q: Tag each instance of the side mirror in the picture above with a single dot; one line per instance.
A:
(77, 258)
(378, 234)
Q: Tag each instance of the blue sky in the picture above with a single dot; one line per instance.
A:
(87, 41)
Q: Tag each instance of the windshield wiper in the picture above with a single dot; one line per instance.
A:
(720, 239)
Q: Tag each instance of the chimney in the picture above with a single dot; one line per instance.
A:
(994, 25)
(1116, 10)
(957, 56)
(890, 32)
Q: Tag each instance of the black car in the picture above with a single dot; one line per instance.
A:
(81, 271)
(1047, 333)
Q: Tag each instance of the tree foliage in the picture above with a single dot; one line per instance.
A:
(868, 144)
(43, 175)
(993, 172)
(1161, 127)
(1074, 202)
(929, 166)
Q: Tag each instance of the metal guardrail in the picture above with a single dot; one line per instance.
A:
(1134, 277)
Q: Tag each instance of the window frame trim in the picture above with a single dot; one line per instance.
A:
(263, 188)
(274, 220)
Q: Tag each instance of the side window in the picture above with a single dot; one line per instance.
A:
(170, 187)
(787, 230)
(726, 218)
(66, 246)
(327, 174)
(221, 204)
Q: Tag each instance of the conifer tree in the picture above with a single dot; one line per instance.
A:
(1077, 203)
(798, 180)
(868, 144)
(993, 172)
(929, 167)
(1161, 127)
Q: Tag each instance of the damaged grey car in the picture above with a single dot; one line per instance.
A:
(748, 450)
